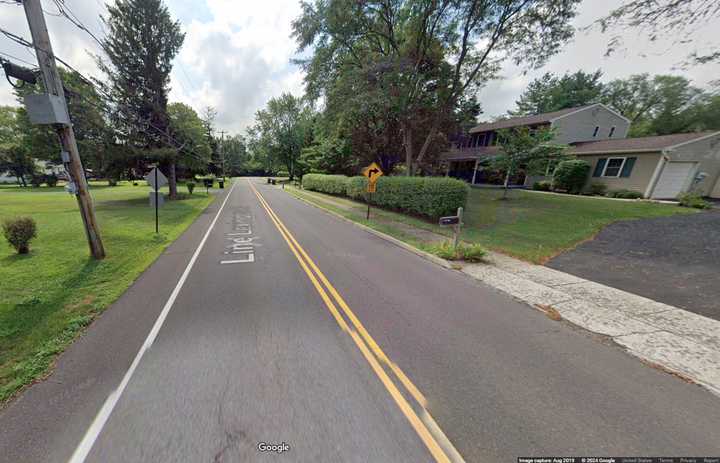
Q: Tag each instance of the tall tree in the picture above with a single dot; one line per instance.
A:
(282, 130)
(14, 155)
(676, 19)
(140, 45)
(552, 93)
(657, 105)
(188, 130)
(426, 56)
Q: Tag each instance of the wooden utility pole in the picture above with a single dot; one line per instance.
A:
(53, 85)
(222, 155)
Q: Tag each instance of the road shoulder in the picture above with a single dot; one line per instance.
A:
(48, 420)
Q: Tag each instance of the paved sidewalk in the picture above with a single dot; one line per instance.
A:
(670, 337)
(675, 260)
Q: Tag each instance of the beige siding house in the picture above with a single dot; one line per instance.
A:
(658, 167)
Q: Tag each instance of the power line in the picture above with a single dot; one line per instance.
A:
(18, 59)
(101, 91)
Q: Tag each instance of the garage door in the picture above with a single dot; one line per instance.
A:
(674, 177)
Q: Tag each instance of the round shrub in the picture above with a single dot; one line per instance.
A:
(625, 194)
(51, 180)
(598, 189)
(190, 187)
(693, 200)
(37, 180)
(542, 185)
(19, 232)
(571, 175)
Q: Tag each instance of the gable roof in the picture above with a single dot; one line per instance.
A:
(641, 144)
(527, 120)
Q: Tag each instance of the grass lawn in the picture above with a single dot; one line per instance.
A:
(49, 295)
(530, 226)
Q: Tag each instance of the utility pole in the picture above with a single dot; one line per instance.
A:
(222, 155)
(53, 85)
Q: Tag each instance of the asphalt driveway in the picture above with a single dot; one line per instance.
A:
(674, 260)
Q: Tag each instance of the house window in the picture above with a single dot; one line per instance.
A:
(612, 131)
(613, 167)
(597, 129)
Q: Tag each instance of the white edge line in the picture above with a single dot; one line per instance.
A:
(91, 435)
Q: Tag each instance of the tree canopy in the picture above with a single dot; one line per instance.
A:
(415, 67)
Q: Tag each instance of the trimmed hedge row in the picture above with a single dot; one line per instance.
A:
(333, 184)
(431, 197)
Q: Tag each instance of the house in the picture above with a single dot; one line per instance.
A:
(585, 123)
(658, 167)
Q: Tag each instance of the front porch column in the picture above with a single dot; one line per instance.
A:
(475, 172)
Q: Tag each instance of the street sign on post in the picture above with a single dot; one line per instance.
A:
(156, 180)
(373, 172)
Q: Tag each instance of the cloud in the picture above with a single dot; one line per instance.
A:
(237, 55)
(587, 52)
(242, 57)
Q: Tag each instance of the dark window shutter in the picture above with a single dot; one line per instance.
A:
(627, 168)
(599, 167)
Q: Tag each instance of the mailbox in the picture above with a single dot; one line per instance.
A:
(450, 220)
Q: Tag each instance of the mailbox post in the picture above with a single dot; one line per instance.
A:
(456, 222)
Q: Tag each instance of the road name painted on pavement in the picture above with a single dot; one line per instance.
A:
(241, 246)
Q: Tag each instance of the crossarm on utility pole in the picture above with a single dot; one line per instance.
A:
(53, 85)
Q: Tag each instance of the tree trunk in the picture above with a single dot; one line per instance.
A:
(507, 184)
(172, 180)
(407, 141)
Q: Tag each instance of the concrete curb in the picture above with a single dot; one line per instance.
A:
(675, 340)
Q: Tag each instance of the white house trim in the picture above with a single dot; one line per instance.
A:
(594, 153)
(710, 135)
(590, 107)
(655, 176)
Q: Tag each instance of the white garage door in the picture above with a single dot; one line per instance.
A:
(674, 177)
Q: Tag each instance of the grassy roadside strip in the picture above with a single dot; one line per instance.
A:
(50, 295)
(526, 226)
(386, 222)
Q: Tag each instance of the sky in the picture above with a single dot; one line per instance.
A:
(237, 54)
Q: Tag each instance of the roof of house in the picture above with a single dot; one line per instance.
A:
(470, 153)
(656, 143)
(526, 120)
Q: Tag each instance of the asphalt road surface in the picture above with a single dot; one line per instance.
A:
(292, 327)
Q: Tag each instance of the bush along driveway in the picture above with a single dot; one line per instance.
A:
(674, 260)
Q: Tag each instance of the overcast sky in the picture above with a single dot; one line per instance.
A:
(237, 54)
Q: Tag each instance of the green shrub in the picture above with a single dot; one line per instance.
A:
(51, 180)
(431, 197)
(37, 180)
(332, 184)
(571, 175)
(466, 252)
(598, 189)
(625, 194)
(283, 173)
(19, 232)
(357, 188)
(190, 187)
(693, 200)
(542, 185)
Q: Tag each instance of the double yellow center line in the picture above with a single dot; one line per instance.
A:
(426, 428)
